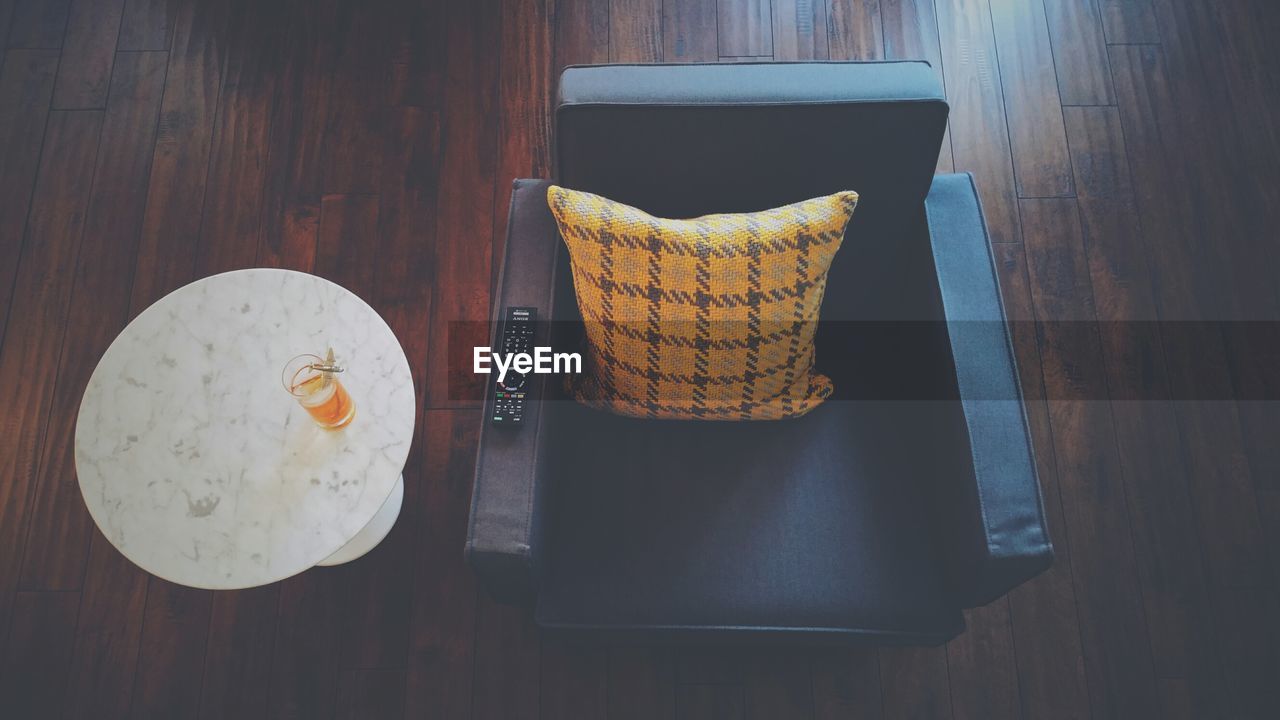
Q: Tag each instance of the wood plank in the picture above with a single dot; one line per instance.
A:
(1249, 637)
(524, 132)
(1161, 509)
(581, 33)
(854, 30)
(1041, 163)
(1079, 52)
(778, 684)
(1175, 699)
(237, 168)
(689, 31)
(709, 665)
(417, 63)
(979, 130)
(981, 666)
(57, 544)
(641, 683)
(87, 54)
(635, 31)
(506, 662)
(175, 629)
(403, 297)
(1189, 280)
(441, 663)
(745, 28)
(846, 684)
(377, 590)
(293, 185)
(800, 30)
(238, 656)
(147, 25)
(911, 33)
(1043, 611)
(37, 317)
(353, 144)
(1116, 643)
(1129, 21)
(1269, 509)
(33, 673)
(26, 86)
(368, 693)
(462, 257)
(179, 167)
(913, 683)
(305, 668)
(108, 633)
(573, 683)
(6, 17)
(38, 23)
(710, 702)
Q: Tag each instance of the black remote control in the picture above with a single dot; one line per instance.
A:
(511, 391)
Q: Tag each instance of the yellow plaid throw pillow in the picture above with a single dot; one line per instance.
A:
(711, 318)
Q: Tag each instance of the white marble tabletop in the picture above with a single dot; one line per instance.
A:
(197, 464)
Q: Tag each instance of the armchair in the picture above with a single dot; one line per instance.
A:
(907, 496)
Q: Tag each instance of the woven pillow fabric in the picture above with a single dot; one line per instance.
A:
(711, 318)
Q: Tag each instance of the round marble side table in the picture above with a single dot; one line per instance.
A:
(199, 467)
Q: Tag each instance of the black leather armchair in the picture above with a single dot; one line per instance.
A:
(909, 495)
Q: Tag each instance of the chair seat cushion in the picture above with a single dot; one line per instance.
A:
(817, 526)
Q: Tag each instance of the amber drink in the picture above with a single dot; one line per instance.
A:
(312, 380)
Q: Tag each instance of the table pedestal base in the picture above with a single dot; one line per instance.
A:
(373, 533)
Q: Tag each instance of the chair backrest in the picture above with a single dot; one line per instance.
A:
(685, 140)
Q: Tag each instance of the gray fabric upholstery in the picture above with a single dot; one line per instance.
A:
(1008, 540)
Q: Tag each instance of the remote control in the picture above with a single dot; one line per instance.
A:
(511, 392)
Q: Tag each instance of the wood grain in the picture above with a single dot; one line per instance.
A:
(57, 543)
(147, 25)
(180, 165)
(376, 144)
(1129, 21)
(846, 683)
(1041, 164)
(635, 31)
(38, 23)
(1079, 52)
(1116, 643)
(38, 315)
(913, 683)
(689, 31)
(641, 683)
(1044, 616)
(745, 28)
(800, 30)
(981, 664)
(33, 670)
(979, 130)
(462, 257)
(26, 85)
(1161, 509)
(90, 48)
(854, 29)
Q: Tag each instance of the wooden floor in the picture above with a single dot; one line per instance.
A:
(1128, 153)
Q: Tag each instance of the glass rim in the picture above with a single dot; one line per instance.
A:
(289, 381)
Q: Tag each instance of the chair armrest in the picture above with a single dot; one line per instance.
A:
(507, 497)
(1002, 540)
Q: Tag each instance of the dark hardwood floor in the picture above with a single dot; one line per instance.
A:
(1128, 155)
